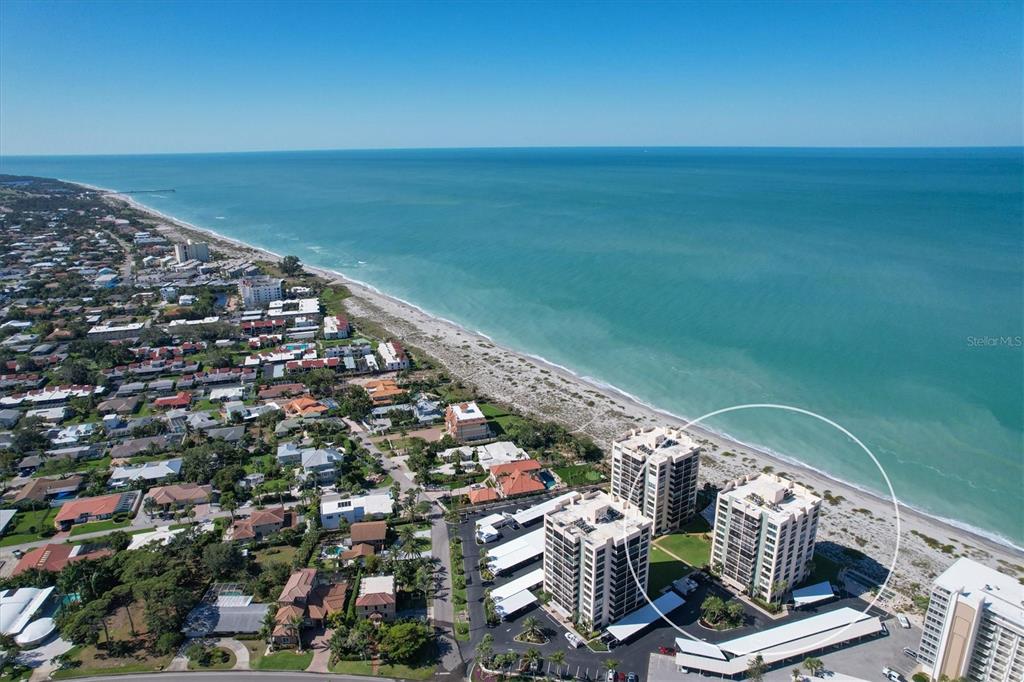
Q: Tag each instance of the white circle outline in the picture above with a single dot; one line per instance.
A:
(799, 410)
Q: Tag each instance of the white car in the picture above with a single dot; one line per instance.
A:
(574, 640)
(892, 675)
(902, 620)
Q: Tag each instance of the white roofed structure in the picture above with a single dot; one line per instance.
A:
(527, 516)
(638, 620)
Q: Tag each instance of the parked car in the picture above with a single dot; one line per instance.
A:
(611, 676)
(666, 650)
(573, 639)
(892, 675)
(910, 652)
(537, 665)
(903, 621)
(632, 677)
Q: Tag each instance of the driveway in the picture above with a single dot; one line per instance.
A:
(321, 648)
(238, 649)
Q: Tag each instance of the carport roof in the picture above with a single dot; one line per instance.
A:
(632, 623)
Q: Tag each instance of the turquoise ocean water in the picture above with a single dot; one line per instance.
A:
(872, 286)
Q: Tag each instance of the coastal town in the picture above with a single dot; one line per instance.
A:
(216, 459)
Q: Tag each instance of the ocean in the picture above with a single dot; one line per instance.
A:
(883, 289)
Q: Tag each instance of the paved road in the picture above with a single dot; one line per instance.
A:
(442, 614)
(234, 675)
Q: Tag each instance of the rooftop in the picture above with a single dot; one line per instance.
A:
(596, 518)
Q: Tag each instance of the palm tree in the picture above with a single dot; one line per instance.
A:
(813, 665)
(756, 668)
(407, 540)
(295, 626)
(485, 647)
(795, 674)
(149, 505)
(610, 664)
(531, 628)
(558, 658)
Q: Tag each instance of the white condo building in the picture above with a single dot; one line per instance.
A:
(765, 527)
(191, 250)
(589, 546)
(974, 628)
(654, 471)
(257, 292)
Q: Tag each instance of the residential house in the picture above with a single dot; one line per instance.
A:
(54, 557)
(308, 595)
(147, 472)
(383, 391)
(393, 356)
(517, 478)
(178, 496)
(372, 533)
(320, 465)
(377, 599)
(304, 407)
(466, 422)
(45, 489)
(87, 509)
(261, 524)
(334, 509)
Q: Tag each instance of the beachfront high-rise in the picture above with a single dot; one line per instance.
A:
(974, 627)
(589, 546)
(191, 250)
(654, 471)
(256, 292)
(765, 527)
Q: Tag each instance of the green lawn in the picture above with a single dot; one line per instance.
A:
(20, 532)
(580, 474)
(424, 672)
(283, 553)
(93, 663)
(227, 662)
(285, 660)
(65, 466)
(693, 548)
(500, 417)
(664, 570)
(98, 526)
(331, 299)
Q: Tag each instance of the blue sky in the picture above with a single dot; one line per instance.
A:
(133, 77)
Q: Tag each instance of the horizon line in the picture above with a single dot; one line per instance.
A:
(522, 147)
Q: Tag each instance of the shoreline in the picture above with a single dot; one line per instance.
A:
(447, 341)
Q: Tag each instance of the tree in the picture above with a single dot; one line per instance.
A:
(199, 652)
(291, 265)
(485, 647)
(295, 627)
(610, 664)
(402, 641)
(222, 559)
(229, 502)
(712, 609)
(557, 657)
(813, 665)
(795, 674)
(531, 629)
(756, 668)
(150, 506)
(734, 612)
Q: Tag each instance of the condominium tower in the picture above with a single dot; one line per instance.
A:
(654, 471)
(765, 527)
(191, 250)
(974, 628)
(589, 546)
(257, 292)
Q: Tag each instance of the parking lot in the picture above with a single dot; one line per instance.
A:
(635, 655)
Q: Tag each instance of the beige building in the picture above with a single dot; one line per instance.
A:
(765, 527)
(974, 627)
(589, 546)
(654, 471)
(466, 422)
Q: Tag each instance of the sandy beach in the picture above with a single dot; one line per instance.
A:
(850, 517)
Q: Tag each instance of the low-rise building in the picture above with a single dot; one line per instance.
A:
(262, 523)
(148, 472)
(87, 509)
(334, 509)
(393, 356)
(466, 422)
(377, 599)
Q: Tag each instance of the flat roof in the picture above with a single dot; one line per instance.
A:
(776, 644)
(526, 582)
(509, 605)
(532, 539)
(535, 512)
(813, 593)
(634, 622)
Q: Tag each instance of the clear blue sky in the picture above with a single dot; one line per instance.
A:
(92, 77)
